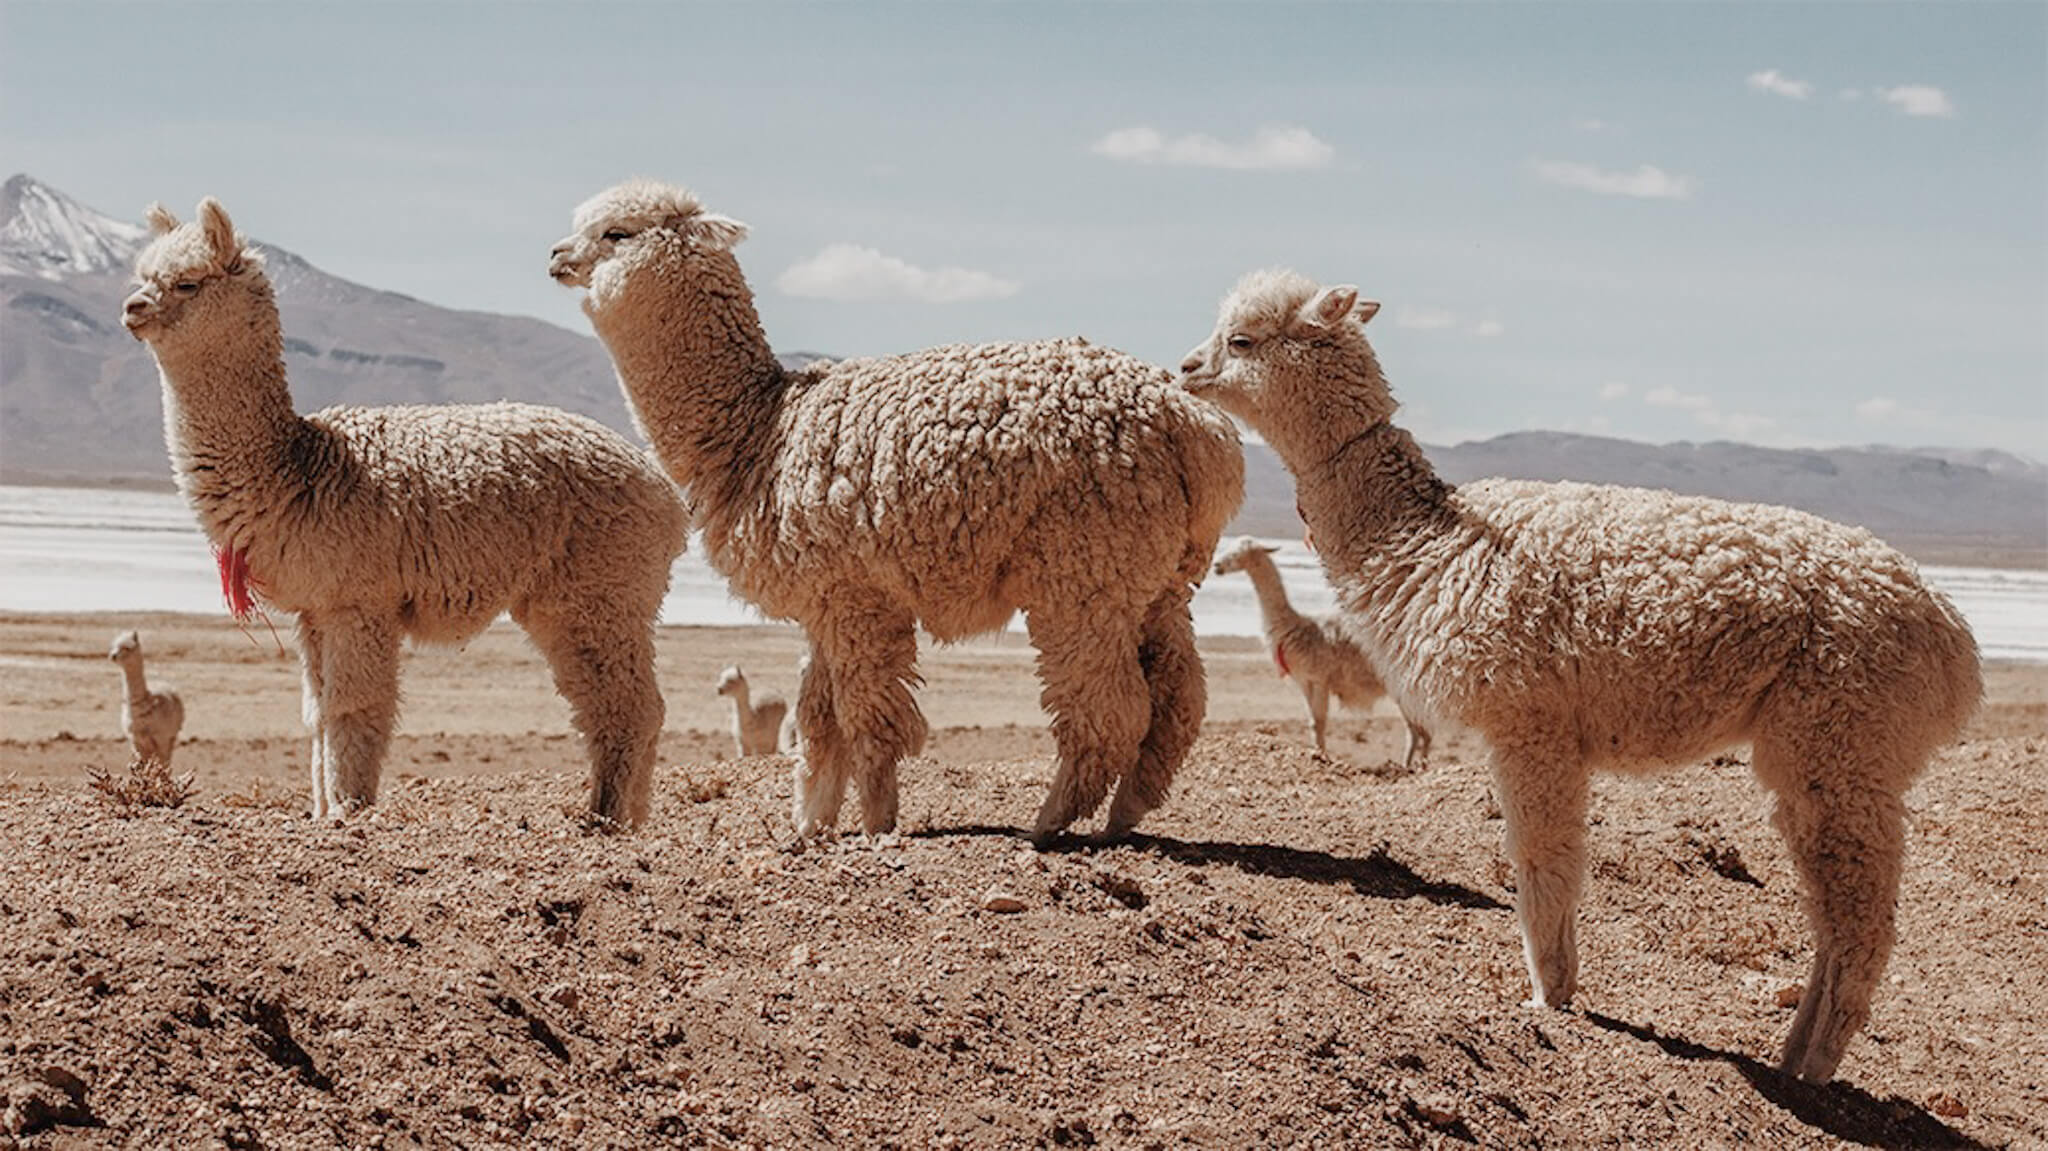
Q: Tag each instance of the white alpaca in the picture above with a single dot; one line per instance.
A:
(151, 718)
(950, 488)
(1577, 627)
(760, 724)
(377, 524)
(1315, 652)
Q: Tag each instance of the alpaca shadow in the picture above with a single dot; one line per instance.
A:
(1848, 1113)
(1378, 875)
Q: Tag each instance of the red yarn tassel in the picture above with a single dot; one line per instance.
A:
(234, 581)
(1280, 660)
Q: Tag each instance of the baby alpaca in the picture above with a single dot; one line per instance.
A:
(949, 488)
(757, 722)
(1315, 652)
(378, 524)
(1577, 627)
(151, 718)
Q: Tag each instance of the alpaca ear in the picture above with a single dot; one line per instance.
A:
(160, 219)
(1331, 305)
(220, 234)
(1366, 310)
(715, 231)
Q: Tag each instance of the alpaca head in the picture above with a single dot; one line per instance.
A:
(633, 225)
(192, 279)
(1242, 555)
(127, 646)
(731, 680)
(1286, 349)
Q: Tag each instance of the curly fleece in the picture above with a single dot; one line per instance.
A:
(1577, 627)
(949, 488)
(377, 524)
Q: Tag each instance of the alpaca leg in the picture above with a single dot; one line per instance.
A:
(1543, 793)
(1417, 753)
(1179, 691)
(1849, 844)
(873, 660)
(1318, 696)
(823, 767)
(312, 686)
(602, 657)
(358, 707)
(1095, 690)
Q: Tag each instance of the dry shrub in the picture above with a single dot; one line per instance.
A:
(146, 783)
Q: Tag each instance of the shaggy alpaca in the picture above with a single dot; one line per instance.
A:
(1315, 652)
(1577, 627)
(758, 726)
(376, 524)
(151, 718)
(949, 488)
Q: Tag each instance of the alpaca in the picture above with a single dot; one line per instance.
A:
(1315, 652)
(1575, 627)
(950, 488)
(151, 718)
(378, 524)
(758, 726)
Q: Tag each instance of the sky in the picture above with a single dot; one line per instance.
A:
(1788, 224)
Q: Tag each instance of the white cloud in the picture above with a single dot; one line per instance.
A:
(1647, 182)
(1613, 390)
(1770, 80)
(1877, 409)
(1739, 425)
(1275, 147)
(1445, 320)
(853, 272)
(1593, 125)
(1919, 100)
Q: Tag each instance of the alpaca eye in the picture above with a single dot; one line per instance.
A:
(186, 287)
(1240, 343)
(617, 234)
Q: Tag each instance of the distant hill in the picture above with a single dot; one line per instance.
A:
(79, 399)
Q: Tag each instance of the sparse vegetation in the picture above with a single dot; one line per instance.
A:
(146, 783)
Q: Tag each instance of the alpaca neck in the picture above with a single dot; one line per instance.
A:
(228, 422)
(138, 687)
(702, 379)
(1273, 605)
(741, 702)
(1369, 499)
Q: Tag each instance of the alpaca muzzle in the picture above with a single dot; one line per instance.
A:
(137, 313)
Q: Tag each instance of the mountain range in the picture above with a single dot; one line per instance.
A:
(79, 399)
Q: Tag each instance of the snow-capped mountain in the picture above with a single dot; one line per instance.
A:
(50, 235)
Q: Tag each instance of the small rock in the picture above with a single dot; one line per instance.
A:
(1001, 902)
(565, 995)
(802, 955)
(1438, 1113)
(1947, 1106)
(1789, 996)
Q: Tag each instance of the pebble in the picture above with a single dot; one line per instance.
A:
(1789, 996)
(1001, 902)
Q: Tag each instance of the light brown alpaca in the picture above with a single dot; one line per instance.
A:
(1315, 653)
(151, 718)
(1576, 627)
(951, 488)
(757, 720)
(377, 524)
